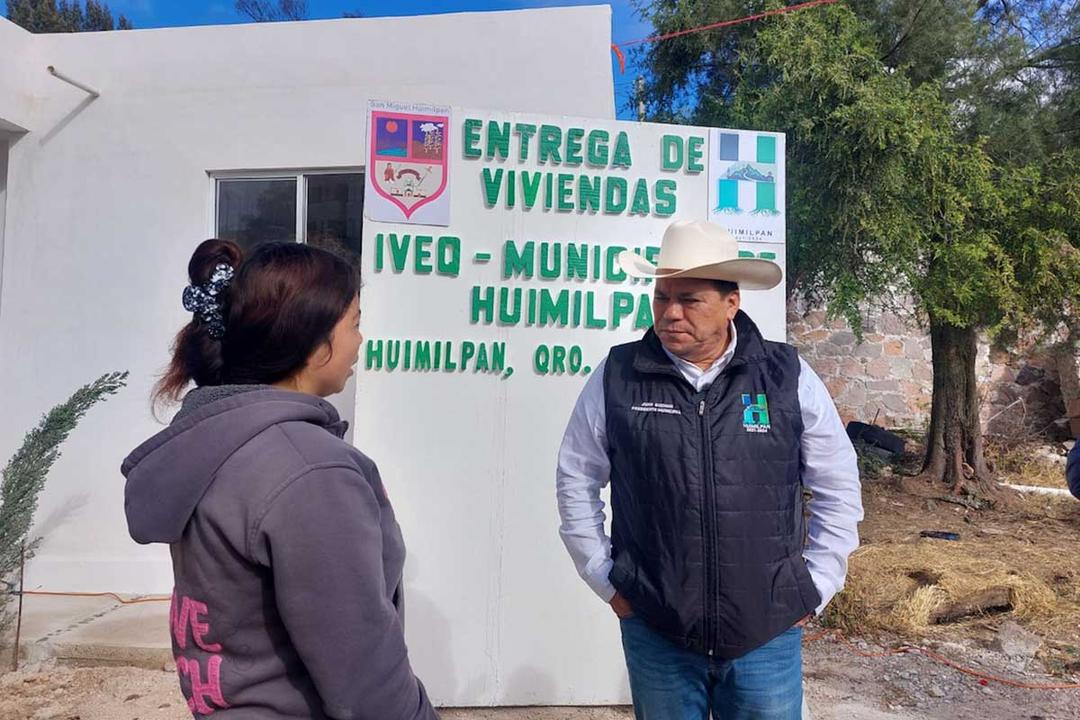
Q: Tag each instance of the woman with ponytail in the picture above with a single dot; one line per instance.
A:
(287, 559)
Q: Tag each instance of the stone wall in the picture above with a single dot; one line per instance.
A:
(1068, 365)
(1022, 394)
(889, 376)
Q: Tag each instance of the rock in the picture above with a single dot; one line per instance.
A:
(1050, 455)
(825, 367)
(902, 369)
(1017, 644)
(997, 598)
(836, 386)
(1030, 375)
(879, 369)
(935, 691)
(896, 403)
(923, 372)
(867, 350)
(169, 667)
(892, 324)
(852, 367)
(854, 397)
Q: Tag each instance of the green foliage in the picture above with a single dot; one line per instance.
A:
(1064, 58)
(892, 191)
(984, 56)
(872, 466)
(1041, 237)
(856, 133)
(48, 16)
(24, 476)
(923, 37)
(682, 68)
(1008, 70)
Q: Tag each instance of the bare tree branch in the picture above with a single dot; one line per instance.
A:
(270, 11)
(906, 33)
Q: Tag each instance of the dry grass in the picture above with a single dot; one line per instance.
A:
(1039, 507)
(1023, 465)
(898, 587)
(897, 580)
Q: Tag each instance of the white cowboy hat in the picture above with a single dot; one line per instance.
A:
(696, 249)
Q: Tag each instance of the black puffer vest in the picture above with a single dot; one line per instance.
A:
(706, 494)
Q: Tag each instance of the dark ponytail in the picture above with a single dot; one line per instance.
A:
(281, 305)
(196, 353)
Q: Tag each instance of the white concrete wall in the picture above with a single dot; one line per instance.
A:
(107, 199)
(17, 54)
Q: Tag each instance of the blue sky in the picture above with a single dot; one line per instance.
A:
(170, 13)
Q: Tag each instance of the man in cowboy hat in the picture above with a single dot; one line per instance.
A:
(708, 434)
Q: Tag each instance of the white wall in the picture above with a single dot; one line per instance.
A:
(17, 54)
(5, 143)
(107, 198)
(496, 613)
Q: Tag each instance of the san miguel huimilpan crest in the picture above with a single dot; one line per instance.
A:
(408, 164)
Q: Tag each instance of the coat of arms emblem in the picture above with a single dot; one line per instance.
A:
(408, 159)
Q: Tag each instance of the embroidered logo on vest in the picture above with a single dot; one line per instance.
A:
(657, 407)
(756, 413)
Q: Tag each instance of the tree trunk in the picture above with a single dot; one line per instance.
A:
(954, 448)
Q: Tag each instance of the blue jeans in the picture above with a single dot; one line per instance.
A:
(669, 682)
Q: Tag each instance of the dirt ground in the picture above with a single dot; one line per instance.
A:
(897, 582)
(841, 686)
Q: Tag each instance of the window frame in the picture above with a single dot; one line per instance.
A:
(299, 175)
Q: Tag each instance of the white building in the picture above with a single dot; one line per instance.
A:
(186, 133)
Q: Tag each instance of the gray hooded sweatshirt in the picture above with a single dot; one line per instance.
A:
(287, 560)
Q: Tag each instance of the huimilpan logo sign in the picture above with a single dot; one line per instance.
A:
(761, 170)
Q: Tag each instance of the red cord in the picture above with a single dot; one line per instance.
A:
(904, 649)
(114, 596)
(622, 58)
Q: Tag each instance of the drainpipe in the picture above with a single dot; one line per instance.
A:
(61, 76)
